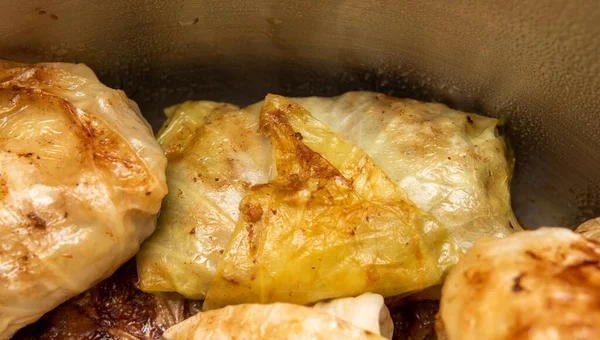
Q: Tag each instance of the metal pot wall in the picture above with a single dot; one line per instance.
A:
(535, 64)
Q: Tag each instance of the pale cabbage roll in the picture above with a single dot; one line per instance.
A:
(367, 311)
(273, 321)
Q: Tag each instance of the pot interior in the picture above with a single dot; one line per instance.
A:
(534, 65)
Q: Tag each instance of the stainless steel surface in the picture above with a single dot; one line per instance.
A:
(535, 64)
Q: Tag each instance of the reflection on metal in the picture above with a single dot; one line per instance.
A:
(532, 64)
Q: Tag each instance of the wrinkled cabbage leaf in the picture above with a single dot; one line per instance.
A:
(272, 321)
(214, 155)
(315, 232)
(81, 181)
(538, 284)
(453, 165)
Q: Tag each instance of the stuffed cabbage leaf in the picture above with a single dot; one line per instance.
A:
(81, 181)
(214, 155)
(315, 232)
(451, 164)
(273, 321)
(540, 284)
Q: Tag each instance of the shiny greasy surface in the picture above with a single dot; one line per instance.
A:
(81, 181)
(534, 64)
(113, 309)
(273, 321)
(452, 164)
(327, 225)
(542, 284)
(215, 154)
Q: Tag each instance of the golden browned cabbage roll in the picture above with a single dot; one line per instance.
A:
(452, 164)
(81, 182)
(542, 284)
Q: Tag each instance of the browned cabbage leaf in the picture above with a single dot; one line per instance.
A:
(215, 154)
(542, 284)
(315, 232)
(81, 181)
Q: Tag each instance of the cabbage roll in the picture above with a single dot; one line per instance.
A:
(273, 321)
(325, 226)
(542, 284)
(81, 181)
(452, 165)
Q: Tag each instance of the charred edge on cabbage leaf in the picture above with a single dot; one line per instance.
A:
(38, 221)
(517, 287)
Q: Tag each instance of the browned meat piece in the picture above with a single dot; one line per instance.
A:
(113, 309)
(415, 321)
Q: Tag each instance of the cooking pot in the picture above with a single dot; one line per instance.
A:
(533, 64)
